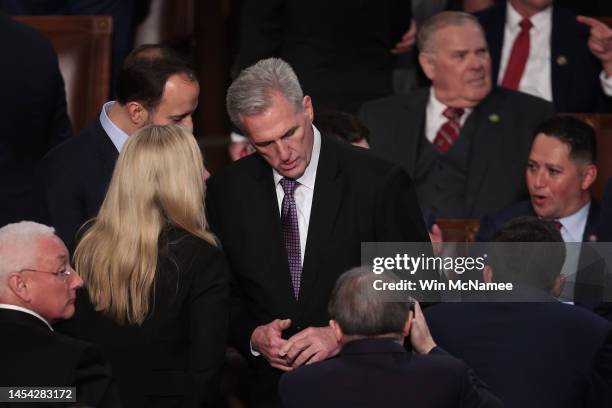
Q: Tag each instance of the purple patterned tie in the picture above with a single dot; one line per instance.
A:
(291, 233)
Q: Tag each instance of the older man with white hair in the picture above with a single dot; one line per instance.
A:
(37, 288)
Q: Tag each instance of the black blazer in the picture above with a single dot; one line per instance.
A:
(35, 356)
(75, 178)
(530, 354)
(33, 116)
(604, 229)
(339, 49)
(380, 373)
(501, 127)
(574, 69)
(357, 198)
(175, 358)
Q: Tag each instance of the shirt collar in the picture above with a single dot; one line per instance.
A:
(538, 20)
(310, 173)
(116, 135)
(576, 222)
(24, 310)
(437, 108)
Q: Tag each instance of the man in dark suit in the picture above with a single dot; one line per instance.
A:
(291, 219)
(154, 86)
(37, 288)
(559, 173)
(32, 115)
(562, 57)
(341, 50)
(460, 138)
(374, 369)
(540, 353)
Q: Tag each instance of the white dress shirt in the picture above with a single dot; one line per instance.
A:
(24, 310)
(435, 117)
(116, 135)
(304, 191)
(537, 78)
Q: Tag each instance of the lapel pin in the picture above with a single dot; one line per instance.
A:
(592, 238)
(494, 118)
(561, 60)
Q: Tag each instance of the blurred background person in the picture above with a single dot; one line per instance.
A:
(156, 296)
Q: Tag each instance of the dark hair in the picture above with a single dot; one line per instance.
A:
(360, 310)
(522, 259)
(146, 70)
(342, 125)
(578, 135)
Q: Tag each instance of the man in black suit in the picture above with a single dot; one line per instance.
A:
(568, 60)
(374, 369)
(33, 116)
(460, 138)
(37, 288)
(154, 86)
(540, 353)
(287, 249)
(341, 50)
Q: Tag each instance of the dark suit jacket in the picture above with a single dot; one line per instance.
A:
(75, 178)
(175, 358)
(339, 49)
(35, 356)
(33, 116)
(380, 373)
(530, 354)
(501, 128)
(605, 227)
(357, 198)
(574, 69)
(490, 224)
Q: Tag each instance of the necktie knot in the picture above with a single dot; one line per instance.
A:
(526, 24)
(557, 224)
(289, 185)
(453, 114)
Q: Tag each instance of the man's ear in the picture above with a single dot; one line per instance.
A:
(18, 285)
(408, 324)
(307, 104)
(487, 274)
(589, 174)
(426, 59)
(137, 113)
(337, 330)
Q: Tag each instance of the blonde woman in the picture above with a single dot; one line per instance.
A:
(157, 285)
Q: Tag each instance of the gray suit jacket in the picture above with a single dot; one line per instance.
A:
(501, 128)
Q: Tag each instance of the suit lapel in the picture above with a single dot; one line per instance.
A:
(590, 229)
(495, 37)
(484, 124)
(261, 204)
(326, 201)
(560, 70)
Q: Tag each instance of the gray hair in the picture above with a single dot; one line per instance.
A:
(18, 246)
(360, 310)
(425, 37)
(251, 92)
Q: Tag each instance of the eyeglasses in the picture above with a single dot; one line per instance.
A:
(64, 274)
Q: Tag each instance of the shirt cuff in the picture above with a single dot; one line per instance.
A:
(253, 351)
(606, 83)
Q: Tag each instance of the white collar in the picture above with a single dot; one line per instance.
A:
(438, 108)
(115, 134)
(576, 223)
(538, 20)
(24, 310)
(310, 173)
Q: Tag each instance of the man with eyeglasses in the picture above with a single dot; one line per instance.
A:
(38, 288)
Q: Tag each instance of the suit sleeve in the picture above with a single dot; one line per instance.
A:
(600, 392)
(208, 322)
(93, 381)
(63, 205)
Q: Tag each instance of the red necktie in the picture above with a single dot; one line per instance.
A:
(449, 131)
(518, 57)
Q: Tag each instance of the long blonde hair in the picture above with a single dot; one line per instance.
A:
(157, 181)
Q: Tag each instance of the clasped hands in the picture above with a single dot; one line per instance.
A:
(308, 346)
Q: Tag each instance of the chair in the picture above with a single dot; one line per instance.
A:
(83, 46)
(459, 230)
